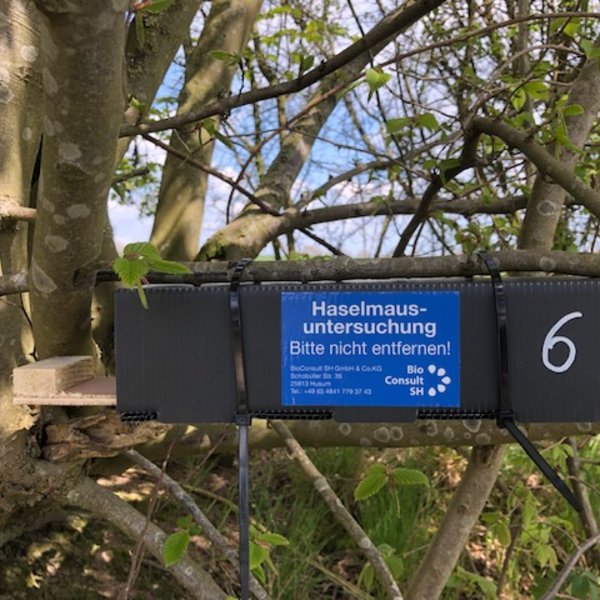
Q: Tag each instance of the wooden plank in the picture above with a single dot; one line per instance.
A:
(63, 381)
(51, 376)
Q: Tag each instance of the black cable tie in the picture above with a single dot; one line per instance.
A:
(243, 421)
(505, 409)
(505, 415)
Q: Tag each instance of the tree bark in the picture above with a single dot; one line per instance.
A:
(252, 230)
(82, 116)
(178, 221)
(462, 514)
(547, 198)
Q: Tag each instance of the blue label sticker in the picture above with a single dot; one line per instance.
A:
(370, 349)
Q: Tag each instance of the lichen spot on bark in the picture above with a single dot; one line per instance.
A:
(6, 94)
(55, 243)
(78, 211)
(27, 134)
(28, 53)
(397, 433)
(321, 484)
(382, 434)
(472, 425)
(365, 543)
(345, 429)
(50, 85)
(41, 281)
(69, 151)
(547, 264)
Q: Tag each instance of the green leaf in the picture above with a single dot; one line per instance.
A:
(572, 110)
(167, 266)
(572, 27)
(185, 522)
(536, 90)
(158, 6)
(260, 574)
(142, 294)
(144, 249)
(591, 50)
(175, 546)
(428, 121)
(274, 539)
(372, 483)
(130, 272)
(409, 477)
(545, 555)
(367, 577)
(518, 98)
(306, 63)
(580, 586)
(501, 532)
(395, 125)
(376, 79)
(258, 555)
(395, 565)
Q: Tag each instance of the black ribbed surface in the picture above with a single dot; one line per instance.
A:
(175, 359)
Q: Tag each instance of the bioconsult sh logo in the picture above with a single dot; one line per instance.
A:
(371, 349)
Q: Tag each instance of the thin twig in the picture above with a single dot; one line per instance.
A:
(211, 532)
(138, 555)
(569, 566)
(321, 241)
(339, 511)
(207, 169)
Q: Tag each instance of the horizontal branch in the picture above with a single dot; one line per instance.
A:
(343, 269)
(386, 28)
(464, 206)
(13, 284)
(81, 440)
(12, 210)
(340, 268)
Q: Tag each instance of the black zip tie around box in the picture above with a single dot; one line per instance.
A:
(505, 417)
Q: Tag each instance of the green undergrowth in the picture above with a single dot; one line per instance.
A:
(82, 558)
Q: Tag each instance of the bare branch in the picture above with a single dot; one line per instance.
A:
(548, 166)
(439, 180)
(340, 512)
(579, 552)
(386, 28)
(88, 495)
(208, 169)
(211, 532)
(12, 210)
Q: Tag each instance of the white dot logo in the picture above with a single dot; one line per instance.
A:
(443, 381)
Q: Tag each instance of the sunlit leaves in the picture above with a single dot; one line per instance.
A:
(376, 79)
(139, 258)
(175, 547)
(261, 546)
(373, 481)
(378, 476)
